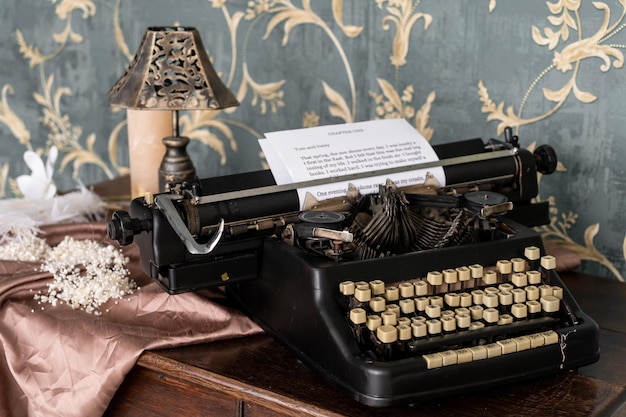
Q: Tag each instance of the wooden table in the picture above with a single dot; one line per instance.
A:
(256, 376)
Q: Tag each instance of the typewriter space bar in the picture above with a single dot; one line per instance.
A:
(491, 333)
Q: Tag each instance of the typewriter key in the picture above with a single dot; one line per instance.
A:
(373, 322)
(519, 295)
(550, 304)
(534, 277)
(519, 311)
(532, 254)
(505, 267)
(407, 289)
(519, 265)
(519, 279)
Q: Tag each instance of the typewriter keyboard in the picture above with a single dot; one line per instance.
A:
(459, 315)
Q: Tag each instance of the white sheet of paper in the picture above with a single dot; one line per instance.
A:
(334, 150)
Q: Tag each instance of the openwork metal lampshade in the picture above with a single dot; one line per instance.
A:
(171, 71)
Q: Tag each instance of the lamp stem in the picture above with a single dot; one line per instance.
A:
(176, 128)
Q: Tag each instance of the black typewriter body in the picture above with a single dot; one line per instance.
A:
(296, 299)
(295, 288)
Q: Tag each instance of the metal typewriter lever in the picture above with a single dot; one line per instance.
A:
(165, 203)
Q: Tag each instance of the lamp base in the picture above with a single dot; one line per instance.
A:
(176, 166)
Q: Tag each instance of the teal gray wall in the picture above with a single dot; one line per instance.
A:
(454, 69)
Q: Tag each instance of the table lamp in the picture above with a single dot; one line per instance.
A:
(171, 71)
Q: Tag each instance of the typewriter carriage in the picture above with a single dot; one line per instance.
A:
(183, 249)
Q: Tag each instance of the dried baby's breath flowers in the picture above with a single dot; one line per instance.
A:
(86, 274)
(27, 247)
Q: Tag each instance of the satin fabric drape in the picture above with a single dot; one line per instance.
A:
(55, 361)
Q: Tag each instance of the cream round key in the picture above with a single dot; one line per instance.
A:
(387, 333)
(548, 262)
(461, 310)
(447, 313)
(433, 326)
(505, 319)
(519, 279)
(404, 332)
(491, 290)
(373, 322)
(532, 255)
(534, 307)
(519, 311)
(477, 296)
(463, 321)
(490, 277)
(450, 276)
(557, 292)
(534, 277)
(347, 287)
(407, 306)
(550, 304)
(394, 308)
(404, 321)
(464, 274)
(448, 324)
(392, 293)
(433, 311)
(421, 303)
(476, 312)
(505, 298)
(532, 293)
(421, 288)
(476, 325)
(377, 304)
(434, 278)
(490, 316)
(490, 300)
(437, 300)
(419, 330)
(545, 289)
(362, 293)
(505, 268)
(519, 265)
(519, 295)
(389, 318)
(358, 316)
(377, 286)
(452, 299)
(407, 290)
(476, 271)
(465, 299)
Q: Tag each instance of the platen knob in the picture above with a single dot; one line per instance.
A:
(546, 159)
(122, 227)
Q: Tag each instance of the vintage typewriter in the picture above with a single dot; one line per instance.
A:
(395, 297)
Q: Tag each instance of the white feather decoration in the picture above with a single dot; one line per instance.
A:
(20, 218)
(80, 205)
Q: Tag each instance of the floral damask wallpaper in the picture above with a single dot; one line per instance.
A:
(454, 69)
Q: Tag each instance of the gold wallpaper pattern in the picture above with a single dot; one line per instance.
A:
(564, 37)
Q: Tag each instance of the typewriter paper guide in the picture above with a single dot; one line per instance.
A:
(335, 150)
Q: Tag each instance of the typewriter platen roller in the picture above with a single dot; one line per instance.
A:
(394, 297)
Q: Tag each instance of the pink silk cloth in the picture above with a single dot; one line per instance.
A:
(57, 361)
